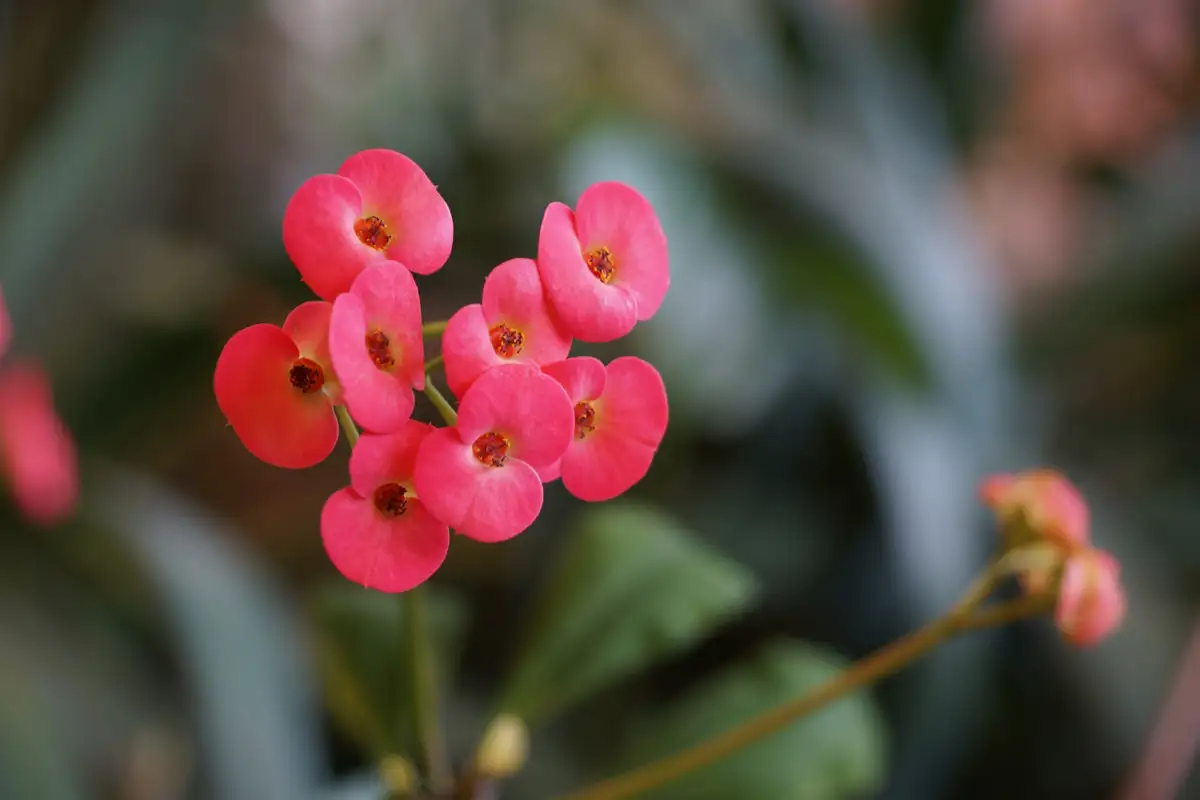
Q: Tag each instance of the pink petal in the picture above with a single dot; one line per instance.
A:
(513, 295)
(617, 216)
(583, 377)
(397, 191)
(383, 300)
(391, 554)
(392, 304)
(1042, 500)
(587, 309)
(5, 327)
(387, 457)
(308, 327)
(1091, 602)
(39, 456)
(467, 348)
(528, 408)
(276, 421)
(514, 305)
(489, 504)
(550, 473)
(318, 234)
(630, 422)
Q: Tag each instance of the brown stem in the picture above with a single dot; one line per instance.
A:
(880, 664)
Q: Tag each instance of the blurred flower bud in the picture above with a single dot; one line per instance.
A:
(504, 748)
(398, 775)
(1037, 505)
(1091, 601)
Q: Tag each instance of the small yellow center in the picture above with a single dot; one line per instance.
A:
(491, 449)
(380, 350)
(389, 499)
(601, 264)
(585, 419)
(306, 376)
(373, 232)
(506, 341)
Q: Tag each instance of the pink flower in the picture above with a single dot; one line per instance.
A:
(620, 419)
(1091, 602)
(605, 264)
(37, 452)
(513, 324)
(480, 477)
(379, 206)
(375, 341)
(5, 326)
(276, 388)
(1038, 504)
(377, 531)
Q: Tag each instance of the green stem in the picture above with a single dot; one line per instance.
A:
(433, 328)
(1012, 611)
(440, 402)
(424, 691)
(348, 426)
(433, 363)
(879, 664)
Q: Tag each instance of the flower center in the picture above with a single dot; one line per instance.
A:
(506, 341)
(379, 349)
(389, 499)
(307, 376)
(373, 232)
(491, 449)
(585, 419)
(600, 262)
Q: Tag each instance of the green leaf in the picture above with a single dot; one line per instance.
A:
(631, 588)
(365, 664)
(836, 752)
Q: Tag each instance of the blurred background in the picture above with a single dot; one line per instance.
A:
(912, 243)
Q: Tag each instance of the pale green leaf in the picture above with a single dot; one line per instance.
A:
(631, 587)
(836, 752)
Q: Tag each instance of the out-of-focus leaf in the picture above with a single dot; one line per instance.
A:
(836, 752)
(631, 588)
(124, 83)
(364, 657)
(255, 702)
(33, 762)
(818, 275)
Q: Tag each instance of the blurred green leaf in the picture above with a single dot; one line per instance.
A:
(365, 663)
(233, 629)
(837, 752)
(631, 588)
(816, 273)
(33, 760)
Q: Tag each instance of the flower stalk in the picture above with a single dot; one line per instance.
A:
(449, 415)
(433, 328)
(423, 700)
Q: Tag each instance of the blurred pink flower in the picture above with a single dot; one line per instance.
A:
(1091, 602)
(36, 451)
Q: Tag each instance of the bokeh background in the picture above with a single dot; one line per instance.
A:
(913, 241)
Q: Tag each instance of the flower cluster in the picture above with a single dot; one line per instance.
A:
(527, 413)
(1044, 517)
(36, 451)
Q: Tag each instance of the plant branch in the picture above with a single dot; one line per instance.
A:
(1022, 608)
(348, 426)
(440, 402)
(424, 691)
(880, 664)
(434, 328)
